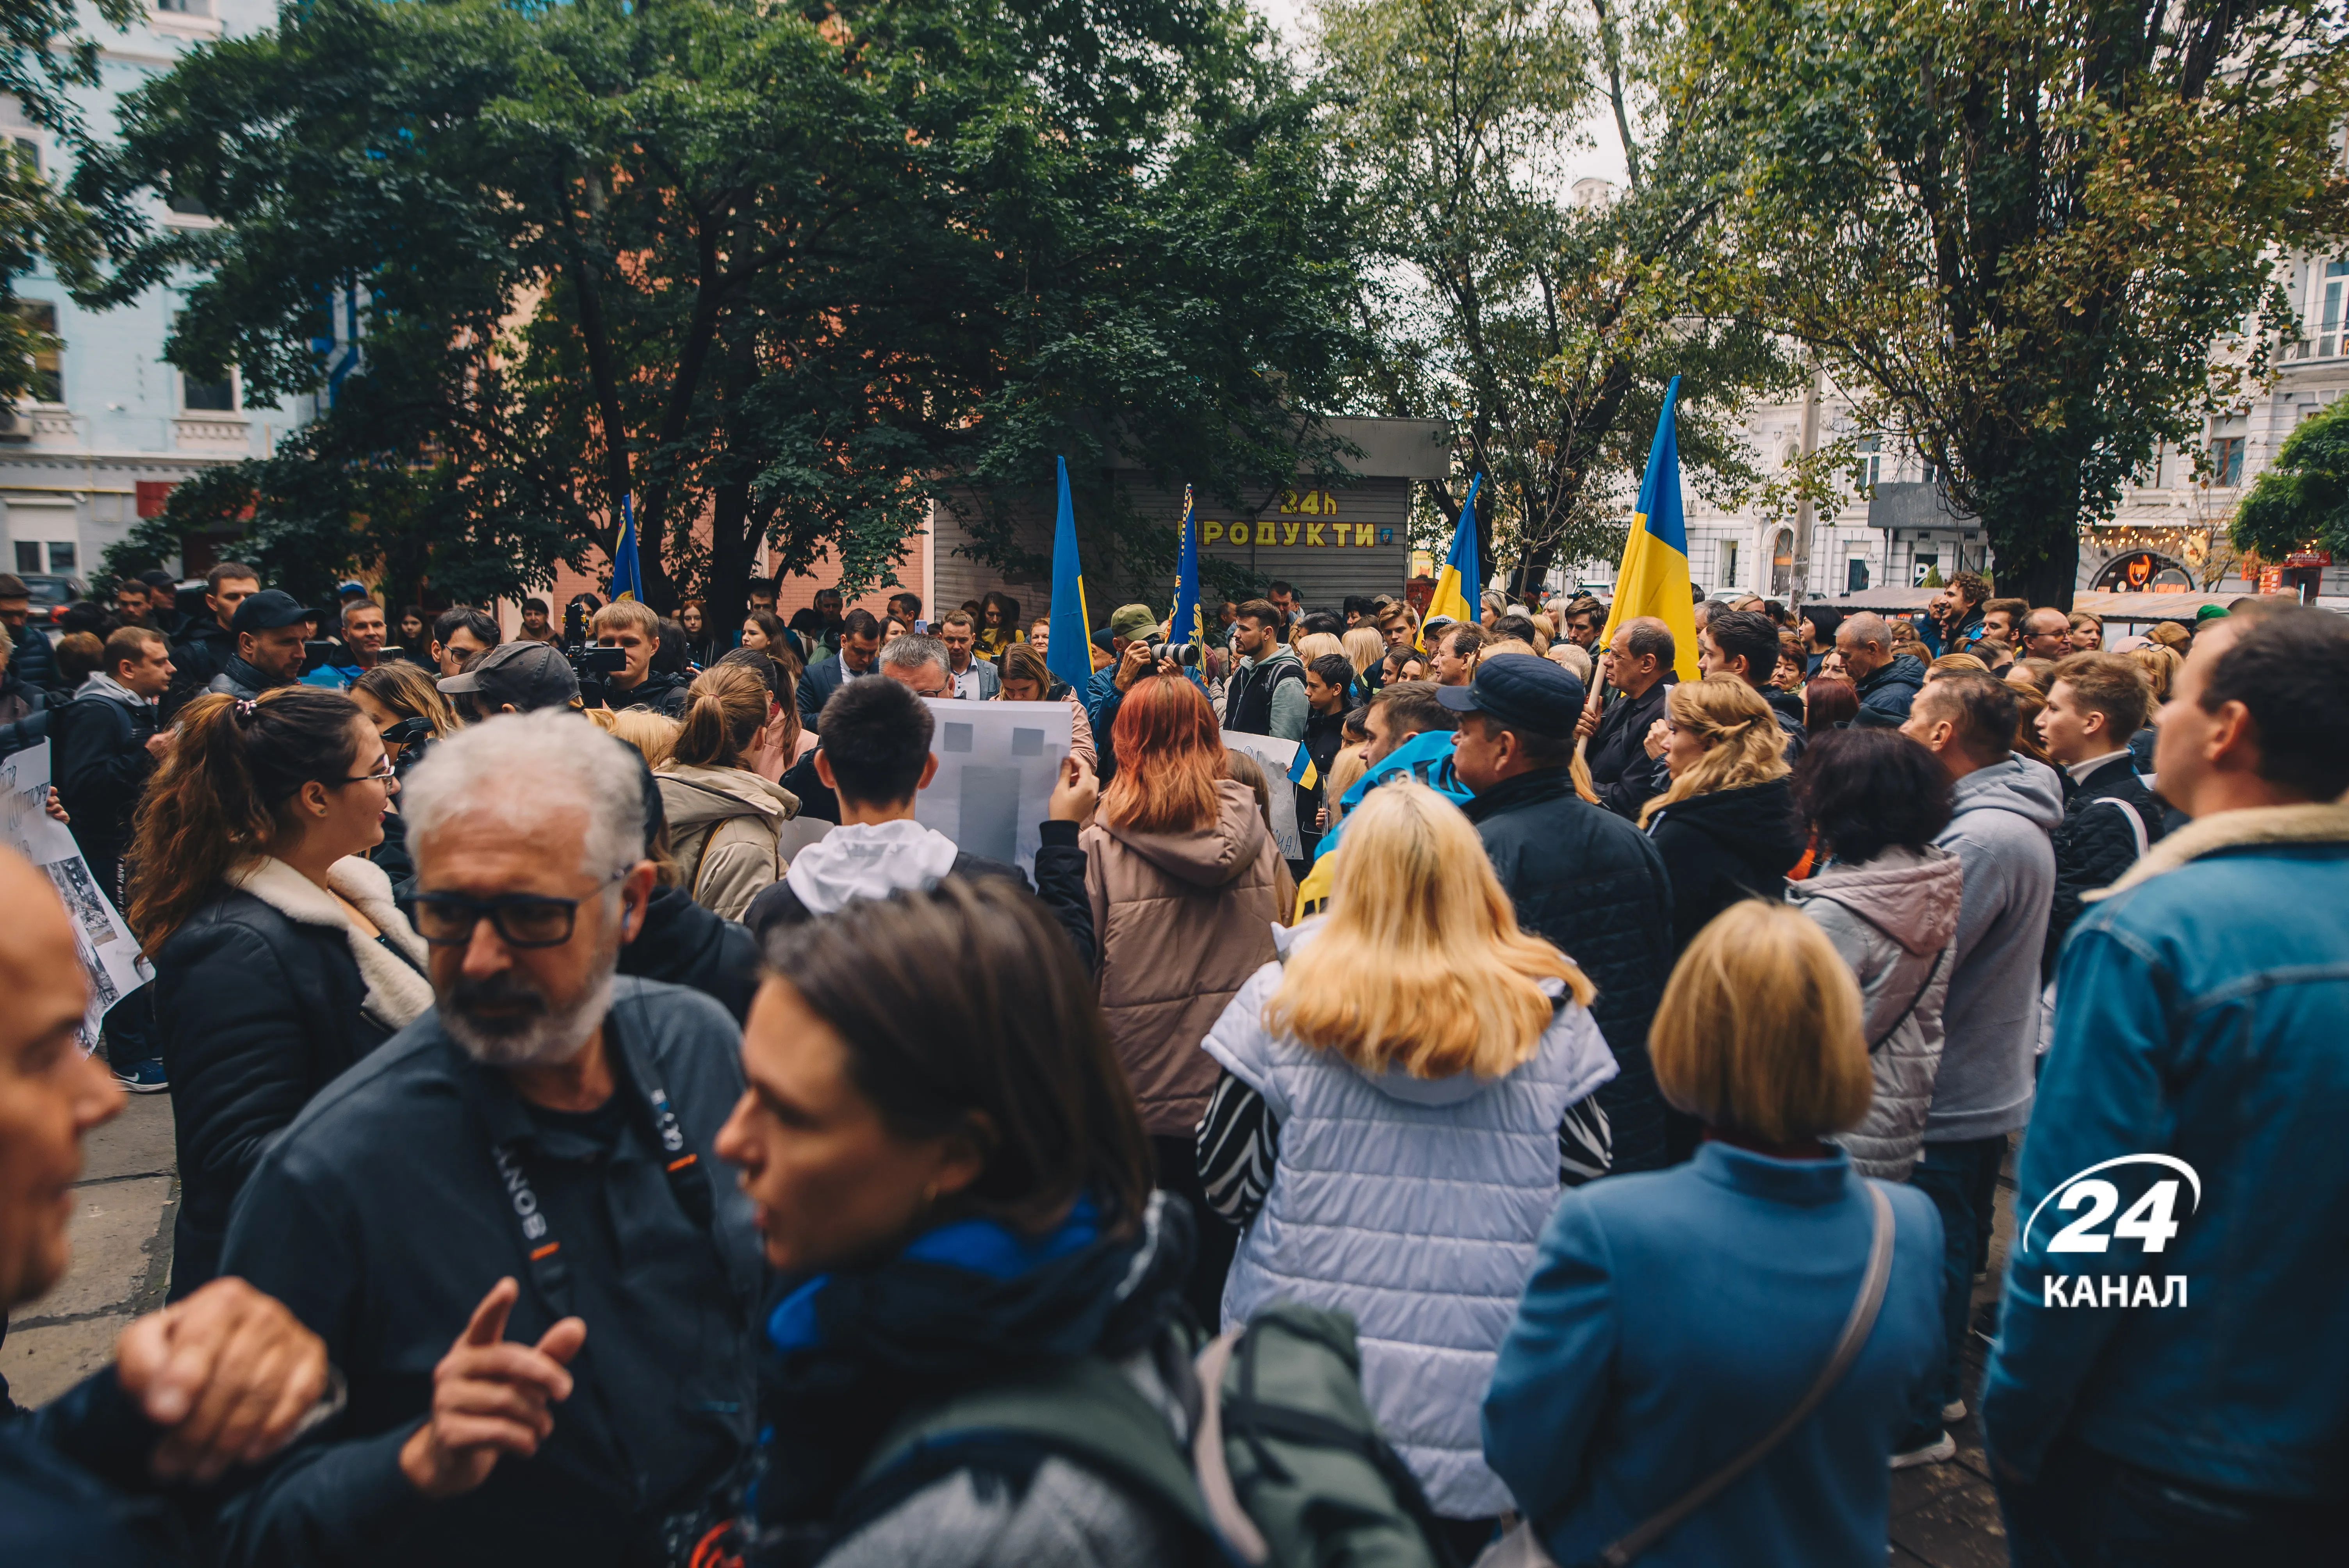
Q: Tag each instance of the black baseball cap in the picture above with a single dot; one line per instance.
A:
(1522, 692)
(527, 676)
(267, 611)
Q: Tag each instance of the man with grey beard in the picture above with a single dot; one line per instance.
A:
(506, 1224)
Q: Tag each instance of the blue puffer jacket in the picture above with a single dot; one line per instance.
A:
(1675, 1317)
(2199, 1016)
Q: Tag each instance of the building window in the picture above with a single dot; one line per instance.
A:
(187, 205)
(1871, 465)
(29, 149)
(1855, 575)
(1781, 562)
(46, 383)
(1728, 563)
(209, 396)
(2227, 460)
(2329, 292)
(61, 559)
(28, 558)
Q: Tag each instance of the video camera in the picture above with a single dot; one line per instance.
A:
(593, 667)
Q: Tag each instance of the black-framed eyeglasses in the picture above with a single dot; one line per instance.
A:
(522, 919)
(383, 775)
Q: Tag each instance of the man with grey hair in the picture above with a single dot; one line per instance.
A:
(1638, 666)
(921, 665)
(1887, 682)
(513, 1204)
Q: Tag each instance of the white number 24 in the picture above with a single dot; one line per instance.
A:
(2148, 1221)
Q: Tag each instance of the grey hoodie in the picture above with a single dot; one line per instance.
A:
(2001, 816)
(1895, 921)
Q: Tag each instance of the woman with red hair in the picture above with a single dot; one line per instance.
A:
(1186, 885)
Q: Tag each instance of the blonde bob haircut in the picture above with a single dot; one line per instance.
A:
(1743, 742)
(1759, 1029)
(1419, 963)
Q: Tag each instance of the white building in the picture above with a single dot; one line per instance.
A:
(108, 427)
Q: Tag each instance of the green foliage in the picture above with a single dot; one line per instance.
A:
(2301, 502)
(778, 274)
(2023, 229)
(1544, 327)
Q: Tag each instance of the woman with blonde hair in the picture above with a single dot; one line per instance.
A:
(1312, 646)
(1365, 650)
(1185, 883)
(1726, 825)
(724, 819)
(653, 735)
(2161, 665)
(1404, 1091)
(1674, 1320)
(409, 714)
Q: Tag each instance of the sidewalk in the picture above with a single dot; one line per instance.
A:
(122, 1238)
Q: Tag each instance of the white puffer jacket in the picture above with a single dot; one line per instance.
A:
(1895, 921)
(1414, 1204)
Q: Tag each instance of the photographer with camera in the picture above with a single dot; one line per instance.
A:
(1267, 694)
(636, 631)
(1134, 634)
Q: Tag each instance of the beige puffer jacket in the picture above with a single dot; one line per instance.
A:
(1184, 919)
(1895, 921)
(723, 827)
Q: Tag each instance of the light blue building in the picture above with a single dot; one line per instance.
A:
(111, 427)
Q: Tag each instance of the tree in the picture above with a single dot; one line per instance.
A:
(1545, 325)
(2024, 229)
(2301, 500)
(778, 275)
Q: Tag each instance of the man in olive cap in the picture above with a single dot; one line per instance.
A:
(1132, 630)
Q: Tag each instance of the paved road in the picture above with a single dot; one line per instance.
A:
(1944, 1516)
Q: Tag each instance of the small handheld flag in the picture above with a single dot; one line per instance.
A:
(1653, 580)
(1183, 625)
(1462, 574)
(627, 570)
(1067, 655)
(1302, 771)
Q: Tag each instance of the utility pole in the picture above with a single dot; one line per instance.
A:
(1805, 513)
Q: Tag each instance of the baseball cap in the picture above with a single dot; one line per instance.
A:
(1521, 691)
(267, 611)
(525, 675)
(1133, 620)
(2210, 612)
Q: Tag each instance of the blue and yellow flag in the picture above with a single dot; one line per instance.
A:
(1183, 625)
(1425, 757)
(1653, 580)
(1463, 574)
(1302, 771)
(1069, 654)
(627, 571)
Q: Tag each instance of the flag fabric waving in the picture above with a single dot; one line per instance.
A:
(1463, 574)
(1183, 625)
(1426, 757)
(1653, 580)
(627, 571)
(1068, 655)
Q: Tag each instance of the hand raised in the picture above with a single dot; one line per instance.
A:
(490, 1399)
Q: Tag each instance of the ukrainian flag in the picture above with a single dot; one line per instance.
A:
(1653, 580)
(1182, 624)
(1462, 574)
(1302, 771)
(627, 570)
(1069, 653)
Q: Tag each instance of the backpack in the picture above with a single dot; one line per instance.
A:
(1286, 1468)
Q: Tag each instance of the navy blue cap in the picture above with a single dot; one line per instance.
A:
(1522, 692)
(267, 611)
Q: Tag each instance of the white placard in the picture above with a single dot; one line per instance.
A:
(1277, 757)
(998, 762)
(109, 952)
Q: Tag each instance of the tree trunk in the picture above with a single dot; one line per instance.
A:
(733, 547)
(2029, 497)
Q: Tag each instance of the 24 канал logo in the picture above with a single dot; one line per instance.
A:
(2149, 1223)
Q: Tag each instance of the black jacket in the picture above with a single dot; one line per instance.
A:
(204, 653)
(254, 1014)
(240, 679)
(1592, 884)
(683, 943)
(382, 1216)
(99, 759)
(75, 1491)
(1622, 772)
(34, 659)
(1059, 882)
(1790, 721)
(660, 691)
(1728, 845)
(25, 713)
(2095, 843)
(1886, 696)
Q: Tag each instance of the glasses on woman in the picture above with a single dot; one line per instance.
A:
(383, 775)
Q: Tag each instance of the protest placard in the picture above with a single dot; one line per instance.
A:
(109, 952)
(998, 762)
(1276, 756)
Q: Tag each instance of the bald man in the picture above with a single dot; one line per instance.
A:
(226, 1378)
(1888, 682)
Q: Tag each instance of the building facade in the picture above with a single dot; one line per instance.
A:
(108, 427)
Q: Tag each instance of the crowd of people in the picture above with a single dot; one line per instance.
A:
(614, 1127)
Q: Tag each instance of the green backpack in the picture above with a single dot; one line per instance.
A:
(1287, 1467)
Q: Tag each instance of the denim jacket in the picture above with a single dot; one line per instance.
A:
(2203, 1002)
